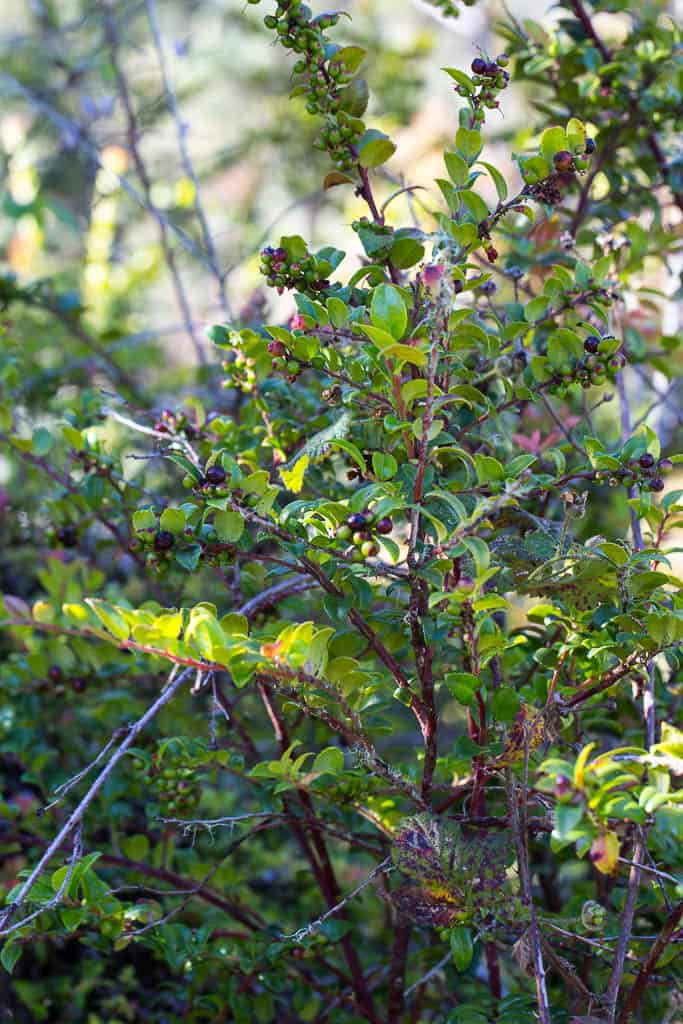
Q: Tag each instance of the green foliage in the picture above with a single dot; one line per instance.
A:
(362, 654)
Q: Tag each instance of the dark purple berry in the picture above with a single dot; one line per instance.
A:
(646, 461)
(55, 674)
(356, 521)
(479, 66)
(163, 540)
(67, 536)
(657, 484)
(563, 160)
(590, 146)
(78, 684)
(384, 525)
(592, 343)
(215, 475)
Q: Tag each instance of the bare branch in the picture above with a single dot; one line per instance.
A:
(188, 167)
(77, 814)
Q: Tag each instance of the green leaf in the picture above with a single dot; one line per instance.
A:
(462, 686)
(329, 761)
(468, 144)
(406, 252)
(462, 948)
(110, 617)
(488, 469)
(41, 442)
(188, 557)
(350, 448)
(475, 204)
(11, 952)
(339, 314)
(350, 56)
(576, 136)
(505, 704)
(457, 168)
(498, 180)
(553, 140)
(229, 525)
(388, 310)
(143, 520)
(173, 520)
(375, 148)
(461, 78)
(406, 354)
(567, 817)
(384, 465)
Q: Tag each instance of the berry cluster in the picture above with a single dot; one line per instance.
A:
(281, 363)
(360, 528)
(599, 364)
(490, 78)
(282, 272)
(645, 472)
(339, 138)
(172, 783)
(178, 422)
(327, 85)
(241, 370)
(55, 674)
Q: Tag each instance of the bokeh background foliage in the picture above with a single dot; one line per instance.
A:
(428, 742)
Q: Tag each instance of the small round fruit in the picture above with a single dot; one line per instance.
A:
(78, 684)
(343, 532)
(356, 521)
(478, 66)
(215, 475)
(67, 536)
(360, 537)
(646, 460)
(55, 674)
(276, 348)
(657, 484)
(384, 525)
(164, 540)
(665, 465)
(563, 160)
(592, 343)
(590, 146)
(369, 549)
(502, 60)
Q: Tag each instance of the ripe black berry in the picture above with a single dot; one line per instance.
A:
(215, 475)
(646, 461)
(163, 540)
(657, 484)
(78, 684)
(478, 66)
(384, 525)
(67, 536)
(590, 146)
(55, 674)
(356, 521)
(592, 344)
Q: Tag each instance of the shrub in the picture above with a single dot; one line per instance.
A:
(358, 697)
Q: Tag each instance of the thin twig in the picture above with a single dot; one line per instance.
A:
(625, 930)
(303, 933)
(188, 166)
(111, 33)
(77, 814)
